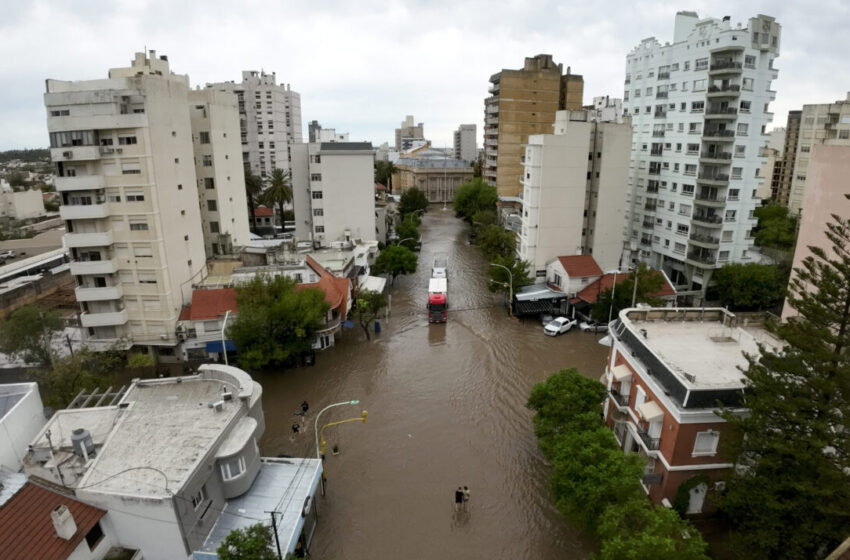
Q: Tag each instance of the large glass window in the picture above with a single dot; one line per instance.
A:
(233, 467)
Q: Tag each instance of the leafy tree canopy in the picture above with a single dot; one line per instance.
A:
(408, 231)
(485, 218)
(276, 323)
(474, 196)
(649, 283)
(69, 375)
(28, 334)
(395, 260)
(254, 542)
(501, 280)
(750, 287)
(279, 191)
(412, 200)
(368, 308)
(776, 229)
(384, 173)
(495, 241)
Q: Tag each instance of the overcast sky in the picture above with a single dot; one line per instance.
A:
(362, 65)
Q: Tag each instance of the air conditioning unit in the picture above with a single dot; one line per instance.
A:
(68, 155)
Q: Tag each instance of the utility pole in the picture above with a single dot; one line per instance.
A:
(274, 529)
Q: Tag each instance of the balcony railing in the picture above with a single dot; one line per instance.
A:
(714, 176)
(621, 400)
(649, 224)
(702, 197)
(715, 155)
(702, 257)
(664, 75)
(722, 111)
(723, 89)
(704, 239)
(656, 152)
(726, 65)
(707, 219)
(651, 443)
(650, 207)
(658, 133)
(661, 95)
(720, 133)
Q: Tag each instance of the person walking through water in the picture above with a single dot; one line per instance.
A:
(305, 407)
(458, 498)
(466, 498)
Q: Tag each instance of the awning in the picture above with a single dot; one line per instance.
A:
(215, 346)
(605, 340)
(622, 372)
(650, 411)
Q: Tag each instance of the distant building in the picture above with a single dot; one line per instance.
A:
(408, 133)
(787, 157)
(573, 191)
(433, 172)
(21, 417)
(606, 109)
(330, 135)
(20, 205)
(333, 187)
(270, 116)
(313, 129)
(466, 143)
(668, 372)
(523, 102)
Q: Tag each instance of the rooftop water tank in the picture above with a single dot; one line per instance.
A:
(81, 442)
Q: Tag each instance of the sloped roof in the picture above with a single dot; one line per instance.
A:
(592, 291)
(262, 212)
(380, 187)
(26, 528)
(580, 265)
(336, 289)
(210, 304)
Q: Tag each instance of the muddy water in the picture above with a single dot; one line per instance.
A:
(446, 408)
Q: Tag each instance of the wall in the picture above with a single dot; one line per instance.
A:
(301, 201)
(348, 187)
(604, 233)
(20, 425)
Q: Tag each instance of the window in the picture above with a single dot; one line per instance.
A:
(730, 215)
(209, 183)
(138, 226)
(214, 227)
(742, 129)
(317, 195)
(135, 196)
(142, 251)
(694, 128)
(706, 443)
(204, 137)
(318, 212)
(233, 467)
(113, 198)
(701, 64)
(687, 65)
(693, 148)
(94, 536)
(745, 106)
(60, 113)
(699, 85)
(750, 61)
(697, 106)
(679, 248)
(740, 151)
(690, 169)
(844, 134)
(212, 206)
(736, 172)
(688, 190)
(147, 278)
(316, 177)
(207, 160)
(320, 229)
(685, 210)
(199, 498)
(126, 140)
(130, 168)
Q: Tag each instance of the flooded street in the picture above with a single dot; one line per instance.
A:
(446, 407)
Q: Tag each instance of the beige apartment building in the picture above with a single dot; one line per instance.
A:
(219, 170)
(125, 169)
(523, 102)
(408, 133)
(825, 123)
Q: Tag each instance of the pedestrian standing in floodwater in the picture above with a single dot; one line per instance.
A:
(465, 498)
(305, 407)
(458, 498)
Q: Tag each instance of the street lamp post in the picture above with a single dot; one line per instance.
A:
(613, 289)
(223, 345)
(511, 277)
(634, 292)
(316, 430)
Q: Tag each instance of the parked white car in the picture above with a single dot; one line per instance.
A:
(593, 326)
(559, 326)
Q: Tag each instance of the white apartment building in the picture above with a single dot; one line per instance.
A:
(574, 191)
(699, 108)
(126, 173)
(825, 123)
(465, 143)
(333, 186)
(330, 135)
(270, 117)
(20, 205)
(219, 170)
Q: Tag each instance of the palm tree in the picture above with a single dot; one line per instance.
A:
(279, 191)
(253, 190)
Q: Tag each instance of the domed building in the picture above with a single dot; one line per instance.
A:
(435, 172)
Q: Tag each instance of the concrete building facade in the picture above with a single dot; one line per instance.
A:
(333, 186)
(466, 143)
(699, 106)
(270, 120)
(219, 170)
(21, 417)
(125, 169)
(523, 102)
(433, 172)
(574, 191)
(20, 205)
(407, 133)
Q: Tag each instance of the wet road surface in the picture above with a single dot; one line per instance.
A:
(446, 408)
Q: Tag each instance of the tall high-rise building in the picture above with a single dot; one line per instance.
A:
(574, 194)
(270, 116)
(523, 102)
(125, 168)
(313, 128)
(465, 144)
(408, 133)
(699, 106)
(789, 152)
(333, 186)
(824, 123)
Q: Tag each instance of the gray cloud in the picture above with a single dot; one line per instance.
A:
(361, 66)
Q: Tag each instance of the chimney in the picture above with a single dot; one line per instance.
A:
(63, 522)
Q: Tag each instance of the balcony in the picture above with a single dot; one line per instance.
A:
(723, 91)
(81, 183)
(701, 259)
(707, 220)
(656, 152)
(718, 136)
(660, 95)
(649, 224)
(710, 200)
(721, 179)
(491, 152)
(706, 241)
(82, 268)
(664, 76)
(658, 134)
(494, 89)
(329, 326)
(650, 443)
(724, 67)
(105, 293)
(97, 239)
(649, 207)
(715, 157)
(491, 120)
(83, 211)
(108, 319)
(75, 153)
(621, 400)
(721, 113)
(661, 114)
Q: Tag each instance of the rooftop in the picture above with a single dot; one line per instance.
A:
(606, 281)
(345, 146)
(210, 304)
(580, 265)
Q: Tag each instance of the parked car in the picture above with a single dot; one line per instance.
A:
(10, 254)
(593, 326)
(559, 326)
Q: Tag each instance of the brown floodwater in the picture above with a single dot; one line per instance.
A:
(446, 407)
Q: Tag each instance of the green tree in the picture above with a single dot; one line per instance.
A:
(368, 307)
(384, 171)
(476, 168)
(649, 283)
(474, 196)
(751, 286)
(17, 179)
(565, 401)
(276, 323)
(408, 230)
(69, 375)
(28, 334)
(501, 280)
(485, 217)
(395, 260)
(776, 229)
(412, 200)
(279, 191)
(495, 241)
(253, 191)
(789, 496)
(254, 542)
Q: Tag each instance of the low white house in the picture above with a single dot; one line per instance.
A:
(573, 273)
(20, 205)
(21, 418)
